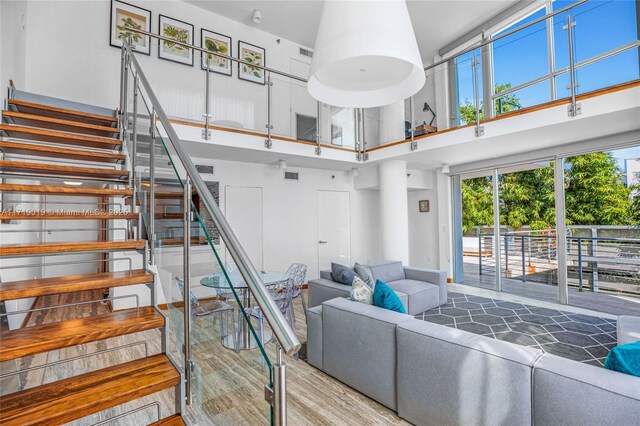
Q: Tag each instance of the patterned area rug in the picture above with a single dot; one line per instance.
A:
(578, 337)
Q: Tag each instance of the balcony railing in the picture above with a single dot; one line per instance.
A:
(600, 258)
(282, 110)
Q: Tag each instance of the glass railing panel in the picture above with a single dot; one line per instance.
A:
(426, 110)
(226, 366)
(229, 338)
(528, 96)
(340, 131)
(522, 56)
(293, 111)
(600, 27)
(610, 71)
(465, 87)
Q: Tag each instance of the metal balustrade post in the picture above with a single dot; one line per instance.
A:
(188, 364)
(573, 109)
(206, 133)
(479, 252)
(476, 94)
(318, 128)
(579, 264)
(524, 261)
(267, 142)
(152, 188)
(506, 252)
(134, 140)
(363, 141)
(414, 144)
(594, 255)
(279, 389)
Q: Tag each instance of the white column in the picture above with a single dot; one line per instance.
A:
(394, 214)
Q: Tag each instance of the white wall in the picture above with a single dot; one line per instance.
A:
(12, 43)
(423, 230)
(290, 211)
(68, 55)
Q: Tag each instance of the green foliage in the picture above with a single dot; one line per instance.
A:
(124, 32)
(595, 194)
(178, 34)
(635, 201)
(506, 103)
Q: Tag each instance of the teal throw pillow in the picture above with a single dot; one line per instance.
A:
(385, 297)
(624, 359)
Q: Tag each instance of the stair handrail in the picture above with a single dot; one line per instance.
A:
(283, 332)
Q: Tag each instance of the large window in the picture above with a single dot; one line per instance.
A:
(531, 66)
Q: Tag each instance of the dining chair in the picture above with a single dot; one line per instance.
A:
(213, 308)
(283, 295)
(297, 272)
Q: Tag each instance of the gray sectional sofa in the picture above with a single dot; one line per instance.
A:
(437, 375)
(419, 289)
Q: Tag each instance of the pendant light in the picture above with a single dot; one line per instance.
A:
(366, 55)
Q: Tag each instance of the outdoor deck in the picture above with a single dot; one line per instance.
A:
(596, 301)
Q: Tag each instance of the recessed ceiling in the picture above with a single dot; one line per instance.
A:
(435, 22)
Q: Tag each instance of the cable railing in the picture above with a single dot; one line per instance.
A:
(597, 262)
(185, 227)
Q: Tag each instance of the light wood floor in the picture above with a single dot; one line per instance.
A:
(228, 387)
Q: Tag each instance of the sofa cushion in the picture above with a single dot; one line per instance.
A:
(422, 296)
(360, 347)
(361, 292)
(342, 274)
(388, 271)
(364, 272)
(384, 297)
(624, 359)
(628, 329)
(570, 393)
(451, 377)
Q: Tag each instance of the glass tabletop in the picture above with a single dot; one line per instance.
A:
(217, 280)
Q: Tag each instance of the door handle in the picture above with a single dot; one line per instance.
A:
(322, 242)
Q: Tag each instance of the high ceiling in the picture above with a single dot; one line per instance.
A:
(435, 22)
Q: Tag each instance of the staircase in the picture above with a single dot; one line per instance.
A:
(77, 156)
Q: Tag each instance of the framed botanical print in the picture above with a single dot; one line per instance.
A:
(124, 16)
(217, 43)
(253, 55)
(179, 31)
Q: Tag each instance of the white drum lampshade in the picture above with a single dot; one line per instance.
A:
(366, 55)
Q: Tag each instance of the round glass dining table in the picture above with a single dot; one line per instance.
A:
(244, 339)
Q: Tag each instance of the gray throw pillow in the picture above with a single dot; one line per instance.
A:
(364, 272)
(342, 274)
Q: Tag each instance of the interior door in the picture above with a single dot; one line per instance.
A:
(244, 213)
(334, 228)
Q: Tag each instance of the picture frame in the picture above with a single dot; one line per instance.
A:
(255, 54)
(423, 206)
(218, 43)
(125, 14)
(177, 30)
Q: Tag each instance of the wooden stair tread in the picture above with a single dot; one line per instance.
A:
(57, 136)
(74, 247)
(57, 335)
(72, 283)
(36, 120)
(93, 215)
(12, 147)
(58, 112)
(64, 190)
(61, 169)
(175, 420)
(79, 396)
